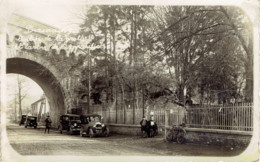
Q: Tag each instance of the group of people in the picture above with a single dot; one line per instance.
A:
(148, 128)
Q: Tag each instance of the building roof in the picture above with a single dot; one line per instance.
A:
(36, 102)
(75, 115)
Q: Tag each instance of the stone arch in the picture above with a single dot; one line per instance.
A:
(45, 79)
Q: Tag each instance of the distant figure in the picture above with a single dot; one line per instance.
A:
(143, 124)
(47, 124)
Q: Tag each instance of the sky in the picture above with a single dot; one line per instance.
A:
(58, 13)
(65, 13)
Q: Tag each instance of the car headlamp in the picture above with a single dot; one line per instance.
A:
(75, 124)
(102, 125)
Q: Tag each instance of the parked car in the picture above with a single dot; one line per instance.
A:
(91, 125)
(31, 121)
(70, 123)
(23, 119)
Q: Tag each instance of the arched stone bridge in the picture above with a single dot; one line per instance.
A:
(54, 71)
(43, 73)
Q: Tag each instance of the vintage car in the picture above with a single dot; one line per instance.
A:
(70, 123)
(31, 121)
(91, 125)
(23, 119)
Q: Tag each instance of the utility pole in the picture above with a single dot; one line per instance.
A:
(89, 82)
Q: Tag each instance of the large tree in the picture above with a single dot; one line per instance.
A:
(190, 51)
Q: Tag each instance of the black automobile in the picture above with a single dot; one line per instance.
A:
(91, 125)
(23, 119)
(70, 123)
(31, 121)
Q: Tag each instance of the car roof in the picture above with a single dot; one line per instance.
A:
(90, 115)
(74, 115)
(32, 116)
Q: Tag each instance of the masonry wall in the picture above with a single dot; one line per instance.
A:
(194, 135)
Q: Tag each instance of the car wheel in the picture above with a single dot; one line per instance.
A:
(169, 136)
(106, 132)
(25, 126)
(35, 127)
(81, 132)
(83, 135)
(91, 133)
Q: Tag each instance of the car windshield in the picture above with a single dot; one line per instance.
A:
(74, 118)
(31, 118)
(95, 118)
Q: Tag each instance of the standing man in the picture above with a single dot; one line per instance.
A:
(152, 129)
(143, 124)
(47, 124)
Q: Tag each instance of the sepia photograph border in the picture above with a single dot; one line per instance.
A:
(251, 7)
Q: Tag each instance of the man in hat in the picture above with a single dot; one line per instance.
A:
(47, 124)
(143, 124)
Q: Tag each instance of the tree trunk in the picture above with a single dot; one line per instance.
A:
(89, 82)
(106, 60)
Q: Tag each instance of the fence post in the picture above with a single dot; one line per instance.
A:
(165, 121)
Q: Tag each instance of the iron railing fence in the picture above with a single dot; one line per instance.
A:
(228, 117)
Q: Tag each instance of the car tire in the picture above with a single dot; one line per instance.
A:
(106, 132)
(70, 131)
(35, 127)
(91, 133)
(25, 126)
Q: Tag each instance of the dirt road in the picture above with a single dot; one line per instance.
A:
(30, 141)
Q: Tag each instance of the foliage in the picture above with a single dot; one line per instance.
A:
(147, 52)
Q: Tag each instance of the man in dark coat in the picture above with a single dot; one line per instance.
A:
(151, 125)
(143, 124)
(47, 124)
